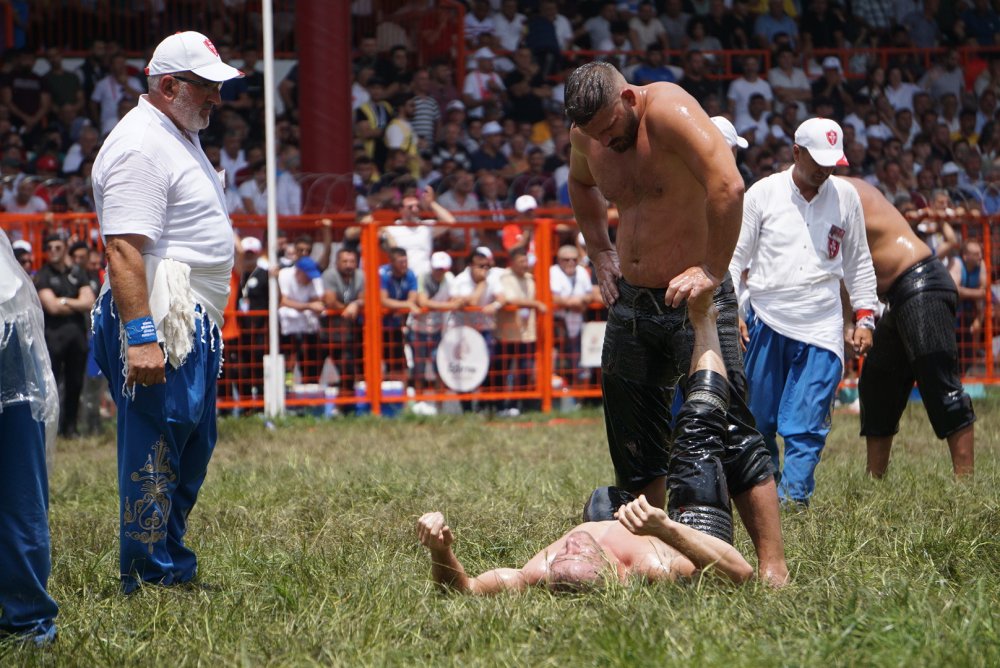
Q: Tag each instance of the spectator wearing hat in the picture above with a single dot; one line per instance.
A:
(832, 87)
(254, 286)
(801, 227)
(434, 297)
(483, 90)
(22, 253)
(299, 314)
(490, 158)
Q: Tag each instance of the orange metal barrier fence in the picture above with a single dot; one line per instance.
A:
(378, 360)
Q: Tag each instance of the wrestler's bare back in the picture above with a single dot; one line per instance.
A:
(662, 226)
(893, 244)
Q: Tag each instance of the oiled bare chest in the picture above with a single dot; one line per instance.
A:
(633, 177)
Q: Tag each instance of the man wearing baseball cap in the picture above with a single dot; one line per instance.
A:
(803, 233)
(161, 208)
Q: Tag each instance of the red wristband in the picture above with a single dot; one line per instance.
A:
(863, 313)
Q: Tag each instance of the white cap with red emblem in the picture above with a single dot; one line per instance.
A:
(824, 139)
(190, 52)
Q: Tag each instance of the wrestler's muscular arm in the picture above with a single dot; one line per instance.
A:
(448, 572)
(127, 276)
(703, 550)
(677, 124)
(591, 212)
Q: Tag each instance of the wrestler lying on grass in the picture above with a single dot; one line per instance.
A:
(642, 542)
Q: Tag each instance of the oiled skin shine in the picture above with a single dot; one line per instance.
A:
(663, 219)
(893, 244)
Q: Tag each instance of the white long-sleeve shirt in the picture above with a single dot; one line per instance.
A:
(797, 252)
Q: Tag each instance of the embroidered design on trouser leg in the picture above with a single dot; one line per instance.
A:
(151, 512)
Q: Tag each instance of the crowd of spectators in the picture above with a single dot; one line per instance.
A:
(434, 149)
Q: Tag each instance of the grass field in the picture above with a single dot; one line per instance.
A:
(306, 534)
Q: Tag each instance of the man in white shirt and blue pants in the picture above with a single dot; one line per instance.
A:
(162, 210)
(803, 232)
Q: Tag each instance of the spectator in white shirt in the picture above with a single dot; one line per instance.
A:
(509, 25)
(482, 85)
(24, 199)
(646, 30)
(85, 147)
(253, 191)
(302, 305)
(111, 90)
(742, 88)
(803, 233)
(899, 92)
(289, 190)
(572, 294)
(478, 22)
(232, 158)
(789, 83)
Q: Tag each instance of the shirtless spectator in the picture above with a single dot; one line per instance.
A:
(914, 340)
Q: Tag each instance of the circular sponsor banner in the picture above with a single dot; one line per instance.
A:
(462, 359)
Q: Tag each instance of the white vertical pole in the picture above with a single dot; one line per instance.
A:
(274, 364)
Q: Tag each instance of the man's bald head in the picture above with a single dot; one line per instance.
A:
(589, 89)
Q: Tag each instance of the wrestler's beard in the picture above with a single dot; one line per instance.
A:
(628, 138)
(188, 112)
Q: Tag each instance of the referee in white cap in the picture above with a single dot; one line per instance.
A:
(162, 212)
(803, 233)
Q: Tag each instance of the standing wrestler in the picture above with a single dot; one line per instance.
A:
(914, 340)
(803, 232)
(169, 241)
(654, 153)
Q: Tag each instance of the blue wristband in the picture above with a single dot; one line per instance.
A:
(140, 331)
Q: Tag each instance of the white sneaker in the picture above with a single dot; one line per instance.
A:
(424, 408)
(509, 412)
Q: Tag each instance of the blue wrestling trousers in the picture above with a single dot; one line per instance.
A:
(166, 435)
(25, 606)
(792, 386)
